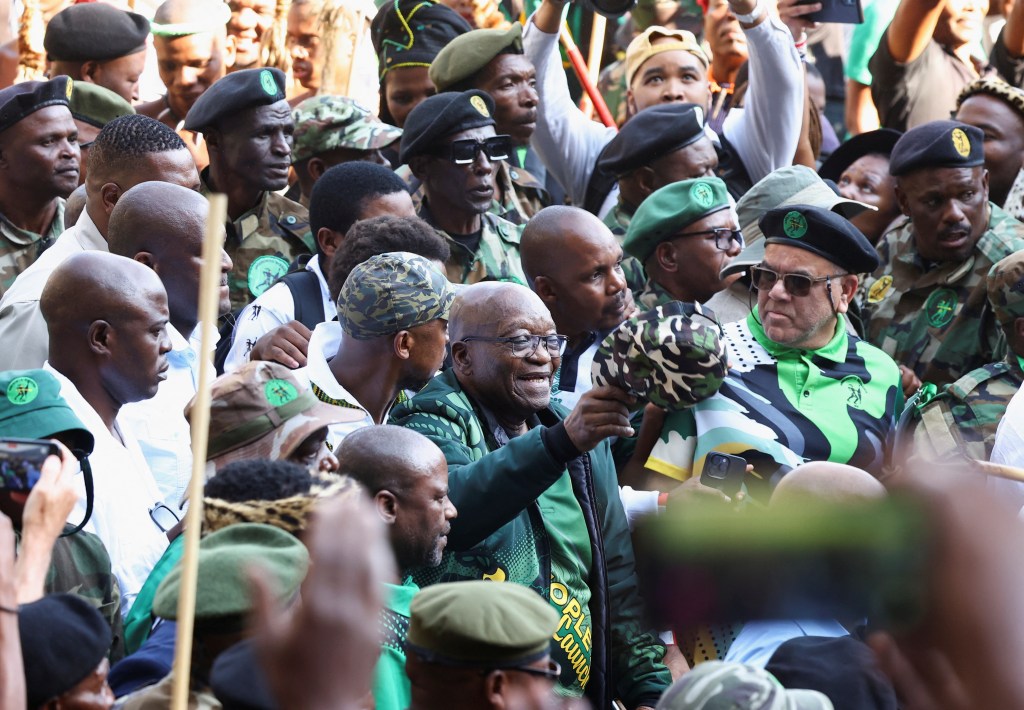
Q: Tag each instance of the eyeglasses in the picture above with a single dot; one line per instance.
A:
(795, 284)
(164, 517)
(464, 152)
(551, 673)
(723, 236)
(526, 345)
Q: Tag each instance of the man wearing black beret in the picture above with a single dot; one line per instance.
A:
(39, 167)
(800, 387)
(450, 145)
(247, 124)
(99, 44)
(924, 304)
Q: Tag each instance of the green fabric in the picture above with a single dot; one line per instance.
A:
(865, 38)
(669, 210)
(140, 617)
(390, 684)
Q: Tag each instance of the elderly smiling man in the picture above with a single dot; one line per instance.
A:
(537, 492)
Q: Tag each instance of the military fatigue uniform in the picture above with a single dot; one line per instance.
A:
(966, 414)
(263, 243)
(653, 295)
(617, 220)
(524, 195)
(929, 317)
(496, 257)
(20, 248)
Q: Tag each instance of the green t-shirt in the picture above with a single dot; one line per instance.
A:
(865, 38)
(140, 617)
(390, 684)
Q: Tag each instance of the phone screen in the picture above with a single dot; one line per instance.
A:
(21, 462)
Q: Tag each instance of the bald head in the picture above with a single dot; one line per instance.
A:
(827, 482)
(386, 457)
(558, 232)
(187, 12)
(156, 217)
(481, 308)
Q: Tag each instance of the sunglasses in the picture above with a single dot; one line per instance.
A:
(465, 151)
(765, 279)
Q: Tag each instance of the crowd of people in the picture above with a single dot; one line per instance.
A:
(687, 380)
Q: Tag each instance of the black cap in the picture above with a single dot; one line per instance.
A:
(939, 144)
(25, 98)
(95, 31)
(821, 232)
(878, 142)
(238, 681)
(236, 92)
(651, 134)
(63, 639)
(440, 116)
(411, 33)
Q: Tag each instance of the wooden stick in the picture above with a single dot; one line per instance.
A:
(209, 296)
(597, 31)
(583, 75)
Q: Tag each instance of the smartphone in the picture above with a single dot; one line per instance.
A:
(21, 462)
(846, 12)
(724, 472)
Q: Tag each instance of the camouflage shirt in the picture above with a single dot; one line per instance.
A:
(522, 195)
(928, 317)
(495, 258)
(20, 248)
(971, 408)
(617, 220)
(263, 243)
(653, 295)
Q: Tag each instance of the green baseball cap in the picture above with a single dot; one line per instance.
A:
(671, 209)
(1006, 288)
(468, 54)
(718, 685)
(392, 292)
(95, 105)
(31, 408)
(325, 123)
(480, 624)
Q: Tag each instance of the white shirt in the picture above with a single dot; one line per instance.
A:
(1008, 448)
(124, 493)
(583, 383)
(22, 327)
(273, 308)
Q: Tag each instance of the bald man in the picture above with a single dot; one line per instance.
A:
(162, 226)
(574, 263)
(407, 477)
(107, 321)
(536, 489)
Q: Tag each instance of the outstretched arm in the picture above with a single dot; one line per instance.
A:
(912, 27)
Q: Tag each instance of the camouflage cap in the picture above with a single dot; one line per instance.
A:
(325, 123)
(31, 407)
(262, 411)
(1006, 288)
(392, 292)
(718, 685)
(672, 356)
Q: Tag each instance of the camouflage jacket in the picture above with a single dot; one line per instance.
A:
(929, 317)
(263, 243)
(653, 295)
(966, 414)
(20, 248)
(617, 220)
(522, 195)
(496, 257)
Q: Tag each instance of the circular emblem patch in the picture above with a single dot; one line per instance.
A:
(264, 272)
(268, 83)
(940, 308)
(479, 104)
(961, 143)
(794, 224)
(853, 391)
(22, 390)
(702, 194)
(67, 91)
(879, 288)
(280, 392)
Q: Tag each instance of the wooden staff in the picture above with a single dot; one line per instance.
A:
(209, 297)
(597, 31)
(583, 75)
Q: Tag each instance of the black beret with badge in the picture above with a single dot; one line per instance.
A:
(94, 31)
(238, 91)
(651, 134)
(938, 144)
(20, 100)
(470, 53)
(822, 232)
(442, 115)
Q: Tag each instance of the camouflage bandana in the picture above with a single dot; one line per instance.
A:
(392, 292)
(665, 356)
(325, 123)
(1006, 288)
(718, 685)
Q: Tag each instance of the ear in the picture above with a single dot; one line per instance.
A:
(644, 180)
(845, 293)
(328, 240)
(230, 50)
(419, 165)
(901, 198)
(546, 289)
(101, 336)
(110, 193)
(666, 257)
(316, 168)
(495, 684)
(89, 70)
(1018, 327)
(461, 359)
(630, 103)
(146, 258)
(387, 506)
(984, 182)
(403, 344)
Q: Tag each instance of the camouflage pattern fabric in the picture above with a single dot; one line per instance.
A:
(929, 319)
(612, 85)
(19, 248)
(522, 195)
(652, 295)
(1006, 288)
(718, 684)
(263, 243)
(672, 356)
(392, 292)
(324, 123)
(617, 220)
(496, 257)
(970, 409)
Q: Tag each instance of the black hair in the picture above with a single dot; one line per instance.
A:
(341, 193)
(128, 137)
(381, 235)
(259, 479)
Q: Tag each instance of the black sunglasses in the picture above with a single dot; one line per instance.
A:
(795, 284)
(464, 152)
(724, 237)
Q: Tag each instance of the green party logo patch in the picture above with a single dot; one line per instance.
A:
(702, 194)
(794, 225)
(280, 392)
(268, 83)
(854, 390)
(22, 390)
(940, 308)
(264, 272)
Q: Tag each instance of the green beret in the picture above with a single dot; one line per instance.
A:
(97, 106)
(1006, 288)
(470, 53)
(324, 123)
(480, 624)
(441, 115)
(938, 144)
(27, 97)
(238, 91)
(94, 31)
(31, 408)
(670, 210)
(225, 556)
